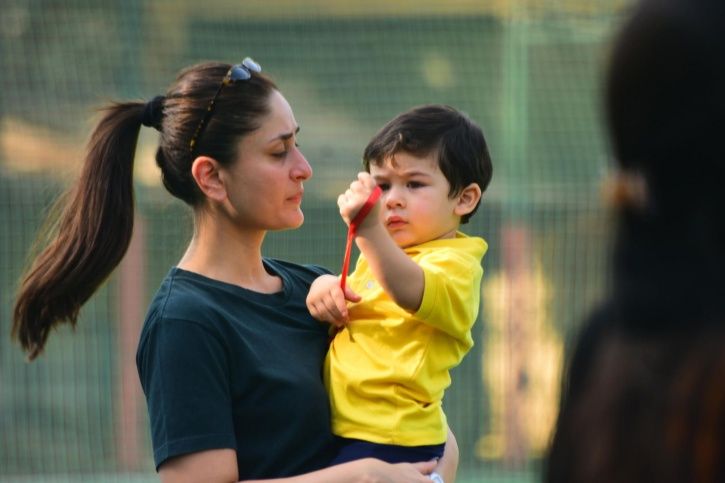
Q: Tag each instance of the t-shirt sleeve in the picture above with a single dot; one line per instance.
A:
(452, 292)
(184, 372)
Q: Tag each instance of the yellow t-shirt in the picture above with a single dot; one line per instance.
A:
(386, 383)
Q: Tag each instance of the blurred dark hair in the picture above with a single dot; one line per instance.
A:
(94, 229)
(665, 107)
(641, 407)
(644, 394)
(457, 142)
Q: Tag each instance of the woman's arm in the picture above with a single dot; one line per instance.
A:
(367, 470)
(217, 465)
(220, 466)
(448, 464)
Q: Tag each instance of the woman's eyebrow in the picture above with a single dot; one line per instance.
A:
(285, 136)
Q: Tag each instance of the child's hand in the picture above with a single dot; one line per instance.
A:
(352, 200)
(327, 302)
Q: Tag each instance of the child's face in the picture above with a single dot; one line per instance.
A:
(415, 207)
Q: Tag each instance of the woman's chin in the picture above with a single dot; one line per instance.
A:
(290, 222)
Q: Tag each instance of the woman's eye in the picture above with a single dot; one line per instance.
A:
(282, 154)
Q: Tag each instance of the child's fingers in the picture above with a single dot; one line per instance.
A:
(351, 295)
(349, 204)
(362, 187)
(323, 315)
(366, 180)
(314, 308)
(336, 311)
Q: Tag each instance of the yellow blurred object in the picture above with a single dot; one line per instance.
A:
(522, 360)
(32, 149)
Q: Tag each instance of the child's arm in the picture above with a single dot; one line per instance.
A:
(399, 276)
(326, 301)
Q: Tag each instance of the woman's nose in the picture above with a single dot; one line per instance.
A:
(301, 169)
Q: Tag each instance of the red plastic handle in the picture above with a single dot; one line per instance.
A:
(352, 231)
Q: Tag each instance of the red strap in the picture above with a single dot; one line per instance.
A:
(352, 231)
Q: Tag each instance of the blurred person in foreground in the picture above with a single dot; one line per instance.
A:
(229, 357)
(645, 391)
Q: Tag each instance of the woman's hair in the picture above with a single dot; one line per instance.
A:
(96, 222)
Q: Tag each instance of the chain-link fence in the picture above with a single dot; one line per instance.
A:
(528, 71)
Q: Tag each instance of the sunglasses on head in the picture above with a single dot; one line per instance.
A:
(237, 73)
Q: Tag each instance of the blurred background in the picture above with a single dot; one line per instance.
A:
(528, 71)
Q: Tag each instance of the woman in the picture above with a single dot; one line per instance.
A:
(645, 399)
(229, 358)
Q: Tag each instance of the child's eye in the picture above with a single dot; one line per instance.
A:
(415, 184)
(384, 186)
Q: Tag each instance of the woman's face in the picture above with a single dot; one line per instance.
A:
(264, 185)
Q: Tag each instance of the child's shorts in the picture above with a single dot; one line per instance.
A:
(354, 449)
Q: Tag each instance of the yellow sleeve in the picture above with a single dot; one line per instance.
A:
(452, 292)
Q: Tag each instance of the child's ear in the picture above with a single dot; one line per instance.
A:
(206, 173)
(467, 199)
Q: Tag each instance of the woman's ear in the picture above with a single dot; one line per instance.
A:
(468, 199)
(205, 171)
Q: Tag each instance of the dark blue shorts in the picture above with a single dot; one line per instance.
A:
(354, 449)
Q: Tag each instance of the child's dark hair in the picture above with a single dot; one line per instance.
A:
(457, 142)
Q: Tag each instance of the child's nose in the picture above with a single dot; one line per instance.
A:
(394, 197)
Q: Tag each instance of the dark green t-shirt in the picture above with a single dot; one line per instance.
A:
(225, 367)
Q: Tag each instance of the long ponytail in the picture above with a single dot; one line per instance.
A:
(91, 236)
(94, 228)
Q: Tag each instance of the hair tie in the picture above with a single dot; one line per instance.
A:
(153, 113)
(626, 189)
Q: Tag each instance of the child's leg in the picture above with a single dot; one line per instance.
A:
(353, 449)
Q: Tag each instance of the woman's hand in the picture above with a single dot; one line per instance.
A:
(367, 470)
(220, 466)
(381, 472)
(448, 464)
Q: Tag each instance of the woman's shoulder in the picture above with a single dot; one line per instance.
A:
(183, 296)
(307, 272)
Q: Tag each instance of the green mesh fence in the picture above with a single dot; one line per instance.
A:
(528, 71)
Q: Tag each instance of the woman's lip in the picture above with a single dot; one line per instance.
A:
(296, 198)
